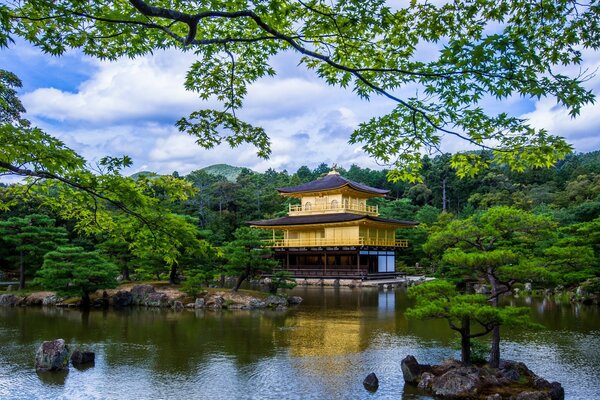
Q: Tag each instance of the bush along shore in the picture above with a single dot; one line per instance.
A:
(161, 296)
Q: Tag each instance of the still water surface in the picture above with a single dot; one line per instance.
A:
(322, 349)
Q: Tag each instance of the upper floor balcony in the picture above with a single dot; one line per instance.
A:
(332, 207)
(330, 242)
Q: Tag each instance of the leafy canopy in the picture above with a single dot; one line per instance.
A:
(72, 271)
(485, 50)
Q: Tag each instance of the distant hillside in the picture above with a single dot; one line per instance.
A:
(228, 171)
(143, 173)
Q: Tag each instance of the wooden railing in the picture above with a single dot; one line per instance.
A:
(320, 242)
(299, 209)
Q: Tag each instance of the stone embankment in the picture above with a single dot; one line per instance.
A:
(512, 381)
(165, 297)
(402, 281)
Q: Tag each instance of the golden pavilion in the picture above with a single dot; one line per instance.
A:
(334, 233)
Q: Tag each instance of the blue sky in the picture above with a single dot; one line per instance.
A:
(129, 107)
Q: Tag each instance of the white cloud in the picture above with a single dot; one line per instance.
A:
(148, 87)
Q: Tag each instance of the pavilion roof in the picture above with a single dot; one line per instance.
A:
(333, 180)
(326, 219)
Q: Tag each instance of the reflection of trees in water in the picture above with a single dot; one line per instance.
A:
(162, 340)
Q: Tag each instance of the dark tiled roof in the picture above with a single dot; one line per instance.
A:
(331, 181)
(326, 219)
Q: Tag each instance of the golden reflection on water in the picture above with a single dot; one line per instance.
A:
(325, 336)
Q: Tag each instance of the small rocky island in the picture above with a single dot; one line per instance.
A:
(453, 380)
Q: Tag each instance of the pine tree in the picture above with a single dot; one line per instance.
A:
(72, 271)
(31, 236)
(246, 256)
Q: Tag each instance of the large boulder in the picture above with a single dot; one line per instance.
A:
(255, 303)
(456, 383)
(411, 370)
(52, 355)
(83, 357)
(199, 303)
(140, 293)
(122, 299)
(8, 300)
(215, 302)
(294, 300)
(276, 302)
(51, 300)
(156, 299)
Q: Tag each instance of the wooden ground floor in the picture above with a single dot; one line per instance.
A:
(338, 262)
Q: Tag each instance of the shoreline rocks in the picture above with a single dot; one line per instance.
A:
(512, 381)
(149, 296)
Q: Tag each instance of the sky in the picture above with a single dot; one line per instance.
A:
(101, 108)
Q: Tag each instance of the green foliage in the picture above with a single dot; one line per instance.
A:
(229, 172)
(592, 286)
(194, 284)
(488, 49)
(72, 271)
(282, 280)
(30, 238)
(247, 255)
(440, 299)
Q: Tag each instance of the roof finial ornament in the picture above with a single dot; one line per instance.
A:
(333, 170)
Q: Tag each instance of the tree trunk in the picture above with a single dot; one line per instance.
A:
(173, 279)
(495, 350)
(21, 271)
(240, 279)
(444, 195)
(465, 342)
(465, 332)
(222, 281)
(125, 272)
(85, 301)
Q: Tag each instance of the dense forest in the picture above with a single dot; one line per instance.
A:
(223, 198)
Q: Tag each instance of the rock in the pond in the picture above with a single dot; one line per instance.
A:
(199, 303)
(51, 300)
(527, 287)
(122, 299)
(411, 370)
(215, 302)
(157, 299)
(141, 292)
(8, 300)
(52, 355)
(532, 396)
(177, 305)
(82, 357)
(371, 383)
(426, 380)
(456, 383)
(294, 300)
(256, 303)
(276, 301)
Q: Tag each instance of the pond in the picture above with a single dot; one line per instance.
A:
(321, 349)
